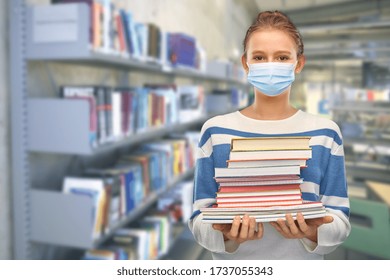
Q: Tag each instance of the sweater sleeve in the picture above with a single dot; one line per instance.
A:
(334, 196)
(205, 189)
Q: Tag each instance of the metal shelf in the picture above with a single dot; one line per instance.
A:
(61, 126)
(360, 107)
(40, 215)
(65, 220)
(127, 63)
(366, 141)
(76, 48)
(382, 175)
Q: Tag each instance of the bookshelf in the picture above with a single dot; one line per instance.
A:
(42, 215)
(67, 136)
(367, 152)
(54, 216)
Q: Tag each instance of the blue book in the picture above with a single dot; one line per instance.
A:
(142, 35)
(127, 32)
(135, 44)
(129, 188)
(142, 109)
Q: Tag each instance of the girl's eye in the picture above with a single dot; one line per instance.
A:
(258, 58)
(283, 58)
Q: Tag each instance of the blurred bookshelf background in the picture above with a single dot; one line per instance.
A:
(101, 105)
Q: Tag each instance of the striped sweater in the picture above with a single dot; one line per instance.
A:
(324, 179)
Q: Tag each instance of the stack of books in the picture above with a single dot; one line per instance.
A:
(262, 179)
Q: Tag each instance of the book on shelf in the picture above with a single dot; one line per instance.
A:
(154, 33)
(120, 21)
(140, 240)
(126, 243)
(118, 112)
(152, 162)
(112, 178)
(181, 50)
(87, 93)
(135, 44)
(150, 236)
(170, 106)
(100, 110)
(132, 185)
(142, 39)
(96, 190)
(124, 121)
(163, 230)
(105, 254)
(257, 171)
(191, 102)
(97, 27)
(270, 143)
(153, 232)
(177, 202)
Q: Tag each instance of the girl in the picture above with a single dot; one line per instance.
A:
(273, 54)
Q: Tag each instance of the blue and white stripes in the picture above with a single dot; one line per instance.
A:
(324, 178)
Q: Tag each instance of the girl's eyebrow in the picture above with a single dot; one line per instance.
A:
(258, 51)
(277, 52)
(283, 52)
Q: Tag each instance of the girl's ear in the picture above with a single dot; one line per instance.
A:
(244, 63)
(300, 64)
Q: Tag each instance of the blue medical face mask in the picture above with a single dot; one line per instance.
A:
(271, 78)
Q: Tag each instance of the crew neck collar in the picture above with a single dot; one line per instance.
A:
(295, 115)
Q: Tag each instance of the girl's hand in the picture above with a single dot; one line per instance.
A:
(240, 232)
(300, 228)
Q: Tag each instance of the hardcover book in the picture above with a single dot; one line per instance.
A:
(269, 143)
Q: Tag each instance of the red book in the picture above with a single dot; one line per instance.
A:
(246, 199)
(258, 188)
(121, 33)
(260, 193)
(258, 178)
(260, 203)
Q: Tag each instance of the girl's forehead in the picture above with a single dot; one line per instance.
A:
(271, 39)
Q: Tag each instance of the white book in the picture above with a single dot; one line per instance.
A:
(142, 240)
(299, 207)
(165, 232)
(271, 154)
(260, 163)
(261, 219)
(117, 115)
(257, 171)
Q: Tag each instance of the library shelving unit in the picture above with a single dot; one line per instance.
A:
(42, 215)
(366, 130)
